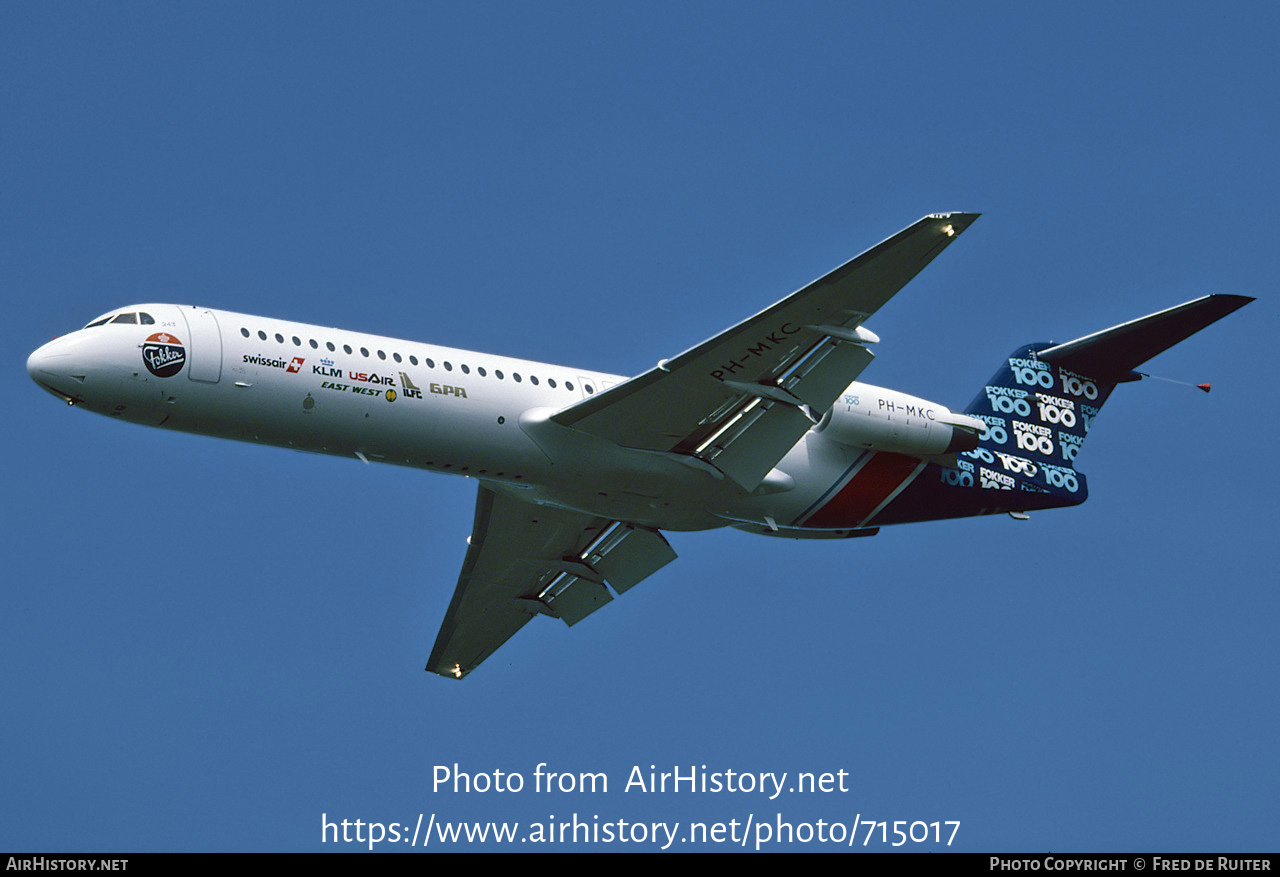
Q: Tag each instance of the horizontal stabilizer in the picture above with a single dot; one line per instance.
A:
(1113, 353)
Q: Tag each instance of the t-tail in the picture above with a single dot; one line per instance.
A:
(1038, 409)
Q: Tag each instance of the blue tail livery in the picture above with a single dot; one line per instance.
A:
(1038, 409)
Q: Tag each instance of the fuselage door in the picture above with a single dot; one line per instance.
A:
(206, 345)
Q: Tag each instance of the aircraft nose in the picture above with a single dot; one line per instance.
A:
(49, 366)
(40, 362)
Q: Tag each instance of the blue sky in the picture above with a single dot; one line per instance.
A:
(209, 645)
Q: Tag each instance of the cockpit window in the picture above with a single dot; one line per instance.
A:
(131, 317)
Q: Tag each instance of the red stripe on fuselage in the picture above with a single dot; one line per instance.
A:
(866, 491)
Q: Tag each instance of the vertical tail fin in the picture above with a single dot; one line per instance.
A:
(1037, 417)
(1038, 408)
(1040, 405)
(1042, 402)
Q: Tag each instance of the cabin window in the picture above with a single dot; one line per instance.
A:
(244, 332)
(262, 335)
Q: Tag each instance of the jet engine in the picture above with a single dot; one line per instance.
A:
(883, 420)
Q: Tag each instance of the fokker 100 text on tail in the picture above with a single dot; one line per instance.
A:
(762, 427)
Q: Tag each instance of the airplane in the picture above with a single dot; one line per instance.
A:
(763, 427)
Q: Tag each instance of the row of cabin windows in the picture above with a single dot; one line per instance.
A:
(413, 360)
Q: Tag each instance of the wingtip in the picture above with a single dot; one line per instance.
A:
(957, 220)
(454, 672)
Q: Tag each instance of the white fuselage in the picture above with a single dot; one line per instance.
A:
(388, 400)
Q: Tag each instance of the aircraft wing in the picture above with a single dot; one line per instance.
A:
(526, 560)
(742, 399)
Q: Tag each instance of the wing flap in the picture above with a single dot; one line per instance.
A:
(637, 554)
(579, 598)
(753, 443)
(821, 384)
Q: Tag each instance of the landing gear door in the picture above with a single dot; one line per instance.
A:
(206, 345)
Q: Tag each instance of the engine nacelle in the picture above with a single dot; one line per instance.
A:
(884, 420)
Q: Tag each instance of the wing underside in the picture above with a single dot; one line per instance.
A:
(741, 400)
(526, 560)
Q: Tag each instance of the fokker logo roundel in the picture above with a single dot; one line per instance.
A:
(163, 354)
